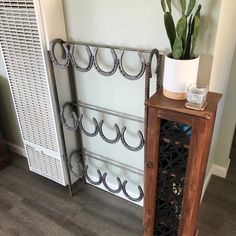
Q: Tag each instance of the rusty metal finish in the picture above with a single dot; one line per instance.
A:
(132, 77)
(62, 136)
(78, 124)
(115, 63)
(69, 61)
(53, 56)
(76, 65)
(93, 58)
(121, 186)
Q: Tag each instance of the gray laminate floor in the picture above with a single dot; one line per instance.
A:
(35, 206)
(32, 205)
(218, 209)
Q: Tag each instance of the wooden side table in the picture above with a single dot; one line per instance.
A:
(4, 158)
(177, 149)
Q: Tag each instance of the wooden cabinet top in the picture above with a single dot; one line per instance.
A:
(159, 101)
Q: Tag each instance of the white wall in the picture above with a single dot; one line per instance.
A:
(220, 76)
(133, 23)
(137, 24)
(227, 124)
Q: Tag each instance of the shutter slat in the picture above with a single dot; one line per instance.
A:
(24, 61)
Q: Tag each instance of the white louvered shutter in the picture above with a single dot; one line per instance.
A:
(23, 56)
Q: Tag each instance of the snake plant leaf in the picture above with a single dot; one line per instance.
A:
(169, 5)
(191, 5)
(196, 29)
(178, 48)
(184, 36)
(183, 6)
(163, 4)
(181, 26)
(187, 45)
(170, 28)
(198, 11)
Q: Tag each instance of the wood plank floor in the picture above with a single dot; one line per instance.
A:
(33, 205)
(218, 209)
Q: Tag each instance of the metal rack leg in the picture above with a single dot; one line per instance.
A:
(64, 150)
(74, 98)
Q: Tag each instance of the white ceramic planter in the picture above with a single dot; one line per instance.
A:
(178, 75)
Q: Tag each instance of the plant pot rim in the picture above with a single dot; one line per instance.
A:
(169, 55)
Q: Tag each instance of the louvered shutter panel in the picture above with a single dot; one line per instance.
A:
(22, 52)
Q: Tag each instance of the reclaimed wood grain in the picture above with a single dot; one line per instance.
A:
(159, 101)
(202, 123)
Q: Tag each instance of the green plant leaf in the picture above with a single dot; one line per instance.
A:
(198, 11)
(183, 6)
(181, 26)
(196, 29)
(170, 28)
(190, 7)
(190, 51)
(169, 5)
(163, 4)
(184, 36)
(178, 48)
(187, 45)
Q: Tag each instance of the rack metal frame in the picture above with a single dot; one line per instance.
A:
(70, 63)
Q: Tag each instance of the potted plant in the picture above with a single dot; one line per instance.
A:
(181, 65)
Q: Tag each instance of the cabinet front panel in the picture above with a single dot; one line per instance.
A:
(172, 164)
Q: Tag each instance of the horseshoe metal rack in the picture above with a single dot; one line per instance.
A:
(83, 171)
(78, 124)
(69, 63)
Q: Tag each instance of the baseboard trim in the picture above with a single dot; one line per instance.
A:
(214, 170)
(15, 148)
(219, 170)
